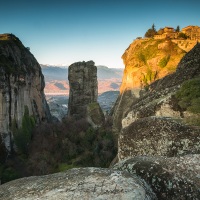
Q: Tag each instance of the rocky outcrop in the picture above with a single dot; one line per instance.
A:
(151, 126)
(170, 178)
(84, 92)
(159, 99)
(146, 60)
(157, 136)
(21, 85)
(83, 183)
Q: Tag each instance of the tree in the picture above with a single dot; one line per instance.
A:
(153, 27)
(182, 35)
(151, 32)
(178, 29)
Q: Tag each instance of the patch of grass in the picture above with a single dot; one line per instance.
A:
(149, 77)
(93, 106)
(189, 99)
(189, 95)
(163, 62)
(193, 120)
(142, 57)
(63, 167)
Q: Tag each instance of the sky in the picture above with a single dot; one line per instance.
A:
(67, 31)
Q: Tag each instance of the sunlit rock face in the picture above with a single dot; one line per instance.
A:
(170, 178)
(145, 60)
(84, 92)
(21, 85)
(83, 183)
(154, 123)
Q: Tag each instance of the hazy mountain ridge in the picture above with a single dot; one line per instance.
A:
(56, 79)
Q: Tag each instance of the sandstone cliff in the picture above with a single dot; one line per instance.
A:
(155, 123)
(157, 141)
(84, 92)
(146, 60)
(21, 86)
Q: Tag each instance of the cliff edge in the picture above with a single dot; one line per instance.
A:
(21, 88)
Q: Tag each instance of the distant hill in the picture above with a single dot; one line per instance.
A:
(52, 73)
(56, 79)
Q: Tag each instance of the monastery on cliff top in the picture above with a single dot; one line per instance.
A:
(193, 33)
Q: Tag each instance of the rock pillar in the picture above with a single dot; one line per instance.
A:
(84, 92)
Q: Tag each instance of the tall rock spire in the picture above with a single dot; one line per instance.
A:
(84, 92)
(21, 87)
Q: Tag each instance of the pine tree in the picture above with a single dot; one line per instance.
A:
(178, 29)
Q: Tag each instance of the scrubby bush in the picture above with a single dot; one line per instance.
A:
(163, 62)
(189, 95)
(59, 146)
(22, 135)
(189, 99)
(182, 35)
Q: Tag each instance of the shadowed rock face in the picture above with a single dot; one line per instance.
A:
(83, 183)
(21, 85)
(84, 92)
(170, 178)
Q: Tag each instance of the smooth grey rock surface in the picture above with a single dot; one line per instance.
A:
(79, 183)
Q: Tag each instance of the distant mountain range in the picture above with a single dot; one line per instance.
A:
(56, 79)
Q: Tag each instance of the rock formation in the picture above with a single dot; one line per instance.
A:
(83, 183)
(170, 178)
(146, 60)
(84, 92)
(157, 136)
(156, 125)
(149, 127)
(21, 86)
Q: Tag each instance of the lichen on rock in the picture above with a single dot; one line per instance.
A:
(79, 183)
(170, 178)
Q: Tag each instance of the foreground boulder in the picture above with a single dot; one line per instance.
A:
(170, 178)
(83, 183)
(158, 136)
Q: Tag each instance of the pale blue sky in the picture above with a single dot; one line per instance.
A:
(67, 31)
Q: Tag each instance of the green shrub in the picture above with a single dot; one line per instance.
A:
(63, 167)
(142, 58)
(182, 35)
(193, 120)
(22, 136)
(163, 62)
(189, 95)
(149, 77)
(8, 174)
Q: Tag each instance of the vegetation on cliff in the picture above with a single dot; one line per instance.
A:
(189, 99)
(23, 135)
(149, 60)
